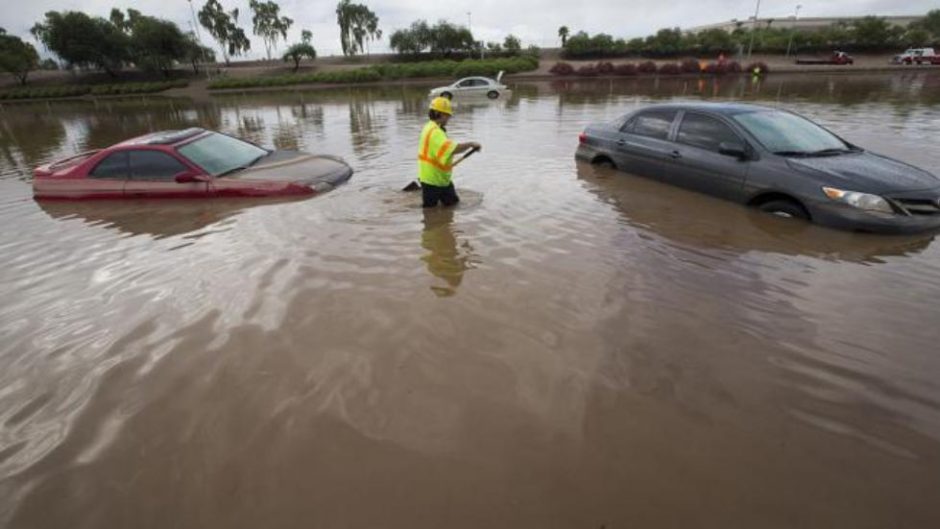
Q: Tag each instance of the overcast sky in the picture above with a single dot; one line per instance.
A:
(534, 21)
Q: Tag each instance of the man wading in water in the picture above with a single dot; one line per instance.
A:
(435, 156)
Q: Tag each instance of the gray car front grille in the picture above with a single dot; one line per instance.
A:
(919, 206)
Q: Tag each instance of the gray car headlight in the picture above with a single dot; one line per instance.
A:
(859, 200)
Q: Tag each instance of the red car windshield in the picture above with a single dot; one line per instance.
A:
(219, 154)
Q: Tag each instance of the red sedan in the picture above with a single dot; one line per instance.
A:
(191, 163)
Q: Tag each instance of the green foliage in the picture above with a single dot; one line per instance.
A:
(17, 58)
(864, 34)
(223, 26)
(197, 53)
(44, 92)
(83, 41)
(298, 52)
(427, 69)
(153, 44)
(443, 39)
(136, 88)
(357, 23)
(361, 75)
(267, 23)
(61, 91)
(563, 33)
(512, 45)
(48, 64)
(582, 45)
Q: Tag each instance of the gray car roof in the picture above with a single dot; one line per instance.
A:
(729, 109)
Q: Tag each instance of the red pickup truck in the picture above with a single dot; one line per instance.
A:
(837, 57)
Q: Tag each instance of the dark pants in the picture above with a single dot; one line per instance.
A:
(434, 194)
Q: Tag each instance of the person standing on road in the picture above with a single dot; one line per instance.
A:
(435, 156)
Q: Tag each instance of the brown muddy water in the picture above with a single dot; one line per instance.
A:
(570, 348)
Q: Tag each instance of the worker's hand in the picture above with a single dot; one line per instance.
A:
(475, 146)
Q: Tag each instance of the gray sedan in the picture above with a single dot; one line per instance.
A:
(771, 159)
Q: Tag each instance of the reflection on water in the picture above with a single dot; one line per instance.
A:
(600, 350)
(445, 260)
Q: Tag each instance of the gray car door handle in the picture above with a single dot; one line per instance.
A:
(675, 155)
(621, 142)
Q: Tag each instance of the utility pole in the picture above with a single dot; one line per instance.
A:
(796, 17)
(750, 46)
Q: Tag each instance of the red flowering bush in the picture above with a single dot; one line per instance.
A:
(625, 70)
(646, 67)
(587, 71)
(669, 69)
(690, 66)
(562, 68)
(605, 68)
(716, 68)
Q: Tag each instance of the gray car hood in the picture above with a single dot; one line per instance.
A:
(298, 167)
(865, 172)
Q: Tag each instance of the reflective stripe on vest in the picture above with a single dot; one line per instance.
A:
(423, 156)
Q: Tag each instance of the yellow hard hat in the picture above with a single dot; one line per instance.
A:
(442, 105)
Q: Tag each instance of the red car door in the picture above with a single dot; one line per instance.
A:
(153, 174)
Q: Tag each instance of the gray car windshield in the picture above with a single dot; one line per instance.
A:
(783, 132)
(219, 154)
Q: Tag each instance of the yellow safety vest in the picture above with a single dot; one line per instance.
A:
(435, 153)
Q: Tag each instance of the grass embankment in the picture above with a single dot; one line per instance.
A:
(48, 92)
(380, 72)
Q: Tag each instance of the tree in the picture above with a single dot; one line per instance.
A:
(196, 53)
(301, 50)
(873, 33)
(267, 24)
(224, 29)
(447, 38)
(916, 37)
(83, 41)
(17, 57)
(931, 24)
(512, 45)
(413, 40)
(356, 24)
(563, 33)
(153, 44)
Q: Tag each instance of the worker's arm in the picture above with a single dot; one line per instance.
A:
(464, 147)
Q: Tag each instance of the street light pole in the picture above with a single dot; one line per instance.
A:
(796, 17)
(750, 46)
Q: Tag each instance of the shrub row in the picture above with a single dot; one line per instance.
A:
(45, 92)
(687, 66)
(137, 88)
(48, 92)
(442, 68)
(360, 75)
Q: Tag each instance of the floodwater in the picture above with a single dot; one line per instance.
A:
(569, 348)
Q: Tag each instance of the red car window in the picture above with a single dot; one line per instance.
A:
(154, 165)
(112, 167)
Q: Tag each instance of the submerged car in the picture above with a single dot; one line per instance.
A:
(771, 159)
(472, 86)
(190, 163)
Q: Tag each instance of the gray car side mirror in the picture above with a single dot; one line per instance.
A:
(737, 150)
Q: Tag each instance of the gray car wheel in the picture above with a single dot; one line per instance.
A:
(448, 95)
(784, 208)
(493, 94)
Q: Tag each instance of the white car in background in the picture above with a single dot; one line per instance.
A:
(472, 86)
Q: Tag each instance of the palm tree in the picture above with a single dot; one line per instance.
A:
(563, 33)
